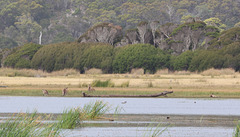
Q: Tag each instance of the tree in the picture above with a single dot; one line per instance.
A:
(216, 22)
(154, 26)
(142, 29)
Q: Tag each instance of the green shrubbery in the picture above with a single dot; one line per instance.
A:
(21, 58)
(144, 56)
(223, 53)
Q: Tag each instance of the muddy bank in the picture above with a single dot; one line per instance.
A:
(175, 120)
(136, 120)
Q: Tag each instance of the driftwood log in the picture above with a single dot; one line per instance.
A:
(164, 93)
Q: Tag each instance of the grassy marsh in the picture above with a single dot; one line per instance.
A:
(223, 83)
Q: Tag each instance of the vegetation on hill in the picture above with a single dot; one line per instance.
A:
(66, 20)
(62, 22)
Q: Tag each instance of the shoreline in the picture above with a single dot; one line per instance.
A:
(135, 120)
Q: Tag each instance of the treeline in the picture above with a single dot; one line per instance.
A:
(224, 52)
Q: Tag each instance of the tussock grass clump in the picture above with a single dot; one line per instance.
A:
(70, 119)
(10, 72)
(162, 71)
(94, 71)
(94, 110)
(125, 84)
(218, 72)
(99, 83)
(137, 71)
(64, 72)
(154, 131)
(25, 125)
(237, 131)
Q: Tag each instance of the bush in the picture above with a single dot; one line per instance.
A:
(144, 56)
(99, 56)
(21, 58)
(182, 61)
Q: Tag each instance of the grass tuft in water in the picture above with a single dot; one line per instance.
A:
(25, 125)
(154, 131)
(70, 119)
(94, 110)
(237, 131)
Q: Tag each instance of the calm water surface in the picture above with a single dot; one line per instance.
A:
(143, 131)
(179, 106)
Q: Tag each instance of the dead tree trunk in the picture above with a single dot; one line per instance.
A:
(155, 95)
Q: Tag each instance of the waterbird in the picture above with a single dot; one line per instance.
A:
(124, 102)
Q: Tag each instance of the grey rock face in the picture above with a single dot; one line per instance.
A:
(105, 33)
(176, 38)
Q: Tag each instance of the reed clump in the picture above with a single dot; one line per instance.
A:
(70, 118)
(31, 125)
(25, 125)
(99, 83)
(237, 131)
(154, 131)
(95, 110)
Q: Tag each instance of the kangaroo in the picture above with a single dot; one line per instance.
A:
(64, 91)
(90, 88)
(45, 92)
(213, 96)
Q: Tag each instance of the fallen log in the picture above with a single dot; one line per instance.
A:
(164, 93)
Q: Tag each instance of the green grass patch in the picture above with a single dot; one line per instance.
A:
(95, 110)
(28, 125)
(70, 119)
(99, 83)
(237, 130)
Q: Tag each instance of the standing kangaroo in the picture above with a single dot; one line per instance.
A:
(64, 91)
(45, 92)
(90, 88)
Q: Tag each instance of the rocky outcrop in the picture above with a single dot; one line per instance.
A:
(105, 33)
(175, 38)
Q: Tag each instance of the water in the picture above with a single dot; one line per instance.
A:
(174, 106)
(178, 106)
(144, 131)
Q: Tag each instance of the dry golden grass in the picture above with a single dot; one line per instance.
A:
(218, 72)
(195, 85)
(94, 71)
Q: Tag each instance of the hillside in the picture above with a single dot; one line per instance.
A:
(66, 20)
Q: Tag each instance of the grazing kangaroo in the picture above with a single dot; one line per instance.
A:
(90, 88)
(64, 91)
(45, 92)
(213, 96)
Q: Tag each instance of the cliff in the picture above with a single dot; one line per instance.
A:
(191, 35)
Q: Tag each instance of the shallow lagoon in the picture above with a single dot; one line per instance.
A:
(173, 106)
(178, 106)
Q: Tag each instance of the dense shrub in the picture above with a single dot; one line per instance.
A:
(144, 56)
(182, 61)
(98, 56)
(81, 56)
(206, 59)
(21, 58)
(57, 56)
